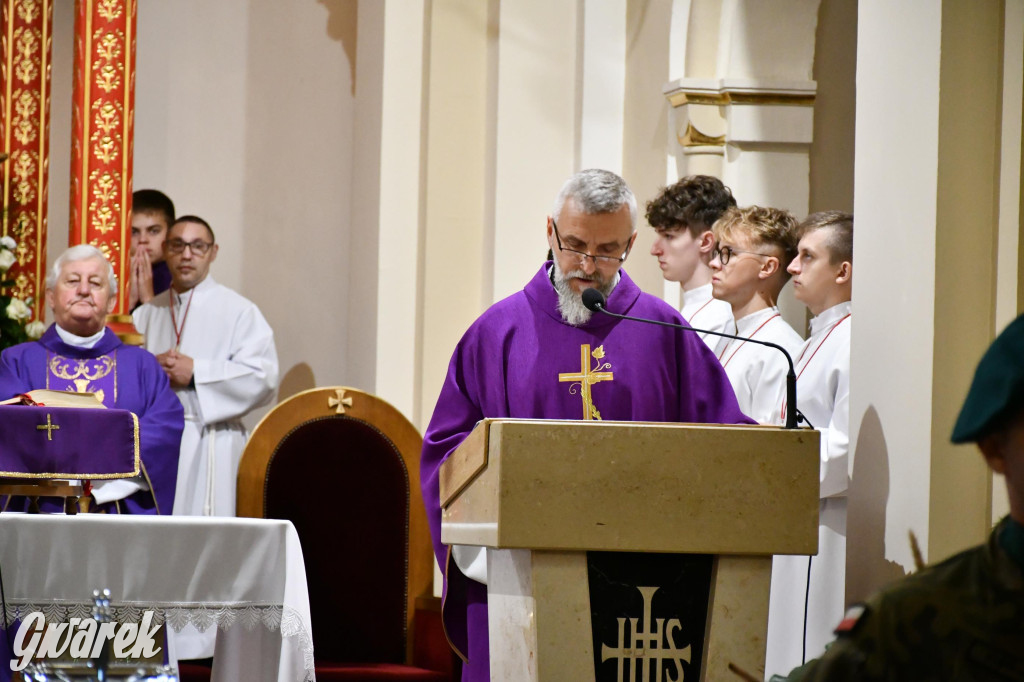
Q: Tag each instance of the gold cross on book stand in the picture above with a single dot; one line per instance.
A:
(71, 491)
(49, 427)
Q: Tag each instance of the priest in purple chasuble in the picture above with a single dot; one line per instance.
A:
(540, 354)
(78, 353)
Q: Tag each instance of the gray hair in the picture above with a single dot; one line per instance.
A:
(75, 254)
(596, 191)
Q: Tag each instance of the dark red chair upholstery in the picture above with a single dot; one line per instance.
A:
(343, 467)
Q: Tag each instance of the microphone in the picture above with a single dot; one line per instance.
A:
(594, 301)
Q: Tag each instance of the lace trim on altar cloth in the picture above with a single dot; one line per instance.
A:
(201, 615)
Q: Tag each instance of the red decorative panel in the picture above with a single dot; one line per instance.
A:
(103, 128)
(26, 47)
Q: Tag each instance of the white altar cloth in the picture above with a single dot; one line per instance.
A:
(245, 576)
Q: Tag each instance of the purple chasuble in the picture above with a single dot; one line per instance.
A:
(129, 378)
(518, 360)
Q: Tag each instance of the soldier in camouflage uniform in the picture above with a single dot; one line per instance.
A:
(962, 619)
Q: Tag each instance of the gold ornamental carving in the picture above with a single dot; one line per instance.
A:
(107, 68)
(105, 139)
(26, 45)
(29, 10)
(24, 110)
(105, 206)
(680, 98)
(23, 288)
(109, 9)
(695, 138)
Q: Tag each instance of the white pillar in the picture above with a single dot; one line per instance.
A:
(926, 206)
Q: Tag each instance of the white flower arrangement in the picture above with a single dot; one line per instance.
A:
(7, 259)
(35, 329)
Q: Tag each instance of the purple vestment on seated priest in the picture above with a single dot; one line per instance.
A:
(123, 377)
(518, 360)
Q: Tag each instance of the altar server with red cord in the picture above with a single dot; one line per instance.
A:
(682, 216)
(218, 351)
(822, 280)
(78, 353)
(519, 359)
(748, 270)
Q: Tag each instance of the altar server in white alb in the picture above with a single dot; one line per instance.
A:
(822, 280)
(682, 216)
(219, 353)
(753, 246)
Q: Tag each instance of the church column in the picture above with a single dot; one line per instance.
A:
(648, 57)
(102, 130)
(25, 121)
(384, 292)
(928, 190)
(532, 135)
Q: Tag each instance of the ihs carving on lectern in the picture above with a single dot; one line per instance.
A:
(643, 648)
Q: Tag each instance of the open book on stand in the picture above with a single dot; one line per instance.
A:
(44, 397)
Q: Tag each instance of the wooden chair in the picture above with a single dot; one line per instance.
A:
(343, 467)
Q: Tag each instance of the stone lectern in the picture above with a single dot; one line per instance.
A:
(630, 551)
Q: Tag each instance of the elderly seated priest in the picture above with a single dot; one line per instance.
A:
(78, 353)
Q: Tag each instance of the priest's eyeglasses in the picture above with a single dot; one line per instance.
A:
(199, 247)
(724, 253)
(597, 259)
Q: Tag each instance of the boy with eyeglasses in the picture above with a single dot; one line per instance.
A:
(748, 266)
(218, 351)
(682, 216)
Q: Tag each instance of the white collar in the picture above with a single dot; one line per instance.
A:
(749, 323)
(698, 294)
(79, 341)
(830, 316)
(187, 295)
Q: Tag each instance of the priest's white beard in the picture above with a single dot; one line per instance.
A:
(570, 304)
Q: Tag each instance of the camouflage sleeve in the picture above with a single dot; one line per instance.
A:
(936, 624)
(847, 657)
(844, 660)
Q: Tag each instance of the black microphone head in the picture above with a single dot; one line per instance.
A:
(593, 299)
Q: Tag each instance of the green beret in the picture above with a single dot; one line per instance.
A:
(998, 386)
